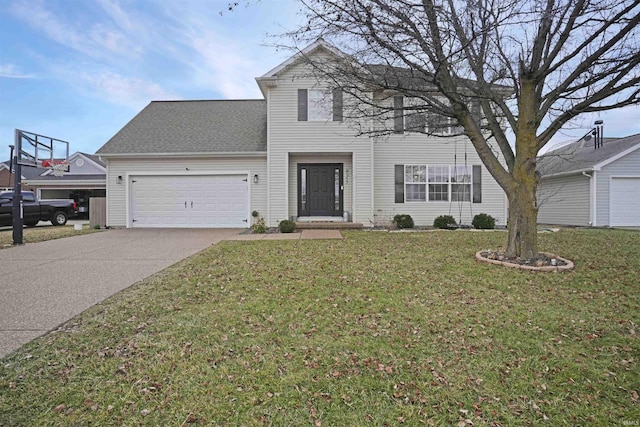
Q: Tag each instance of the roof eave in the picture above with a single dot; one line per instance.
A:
(67, 182)
(567, 173)
(186, 155)
(264, 83)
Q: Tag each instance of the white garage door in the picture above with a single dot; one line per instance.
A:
(625, 202)
(202, 201)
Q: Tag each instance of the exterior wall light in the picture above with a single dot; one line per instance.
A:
(119, 179)
(255, 178)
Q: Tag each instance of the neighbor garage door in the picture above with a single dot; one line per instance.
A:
(625, 202)
(202, 201)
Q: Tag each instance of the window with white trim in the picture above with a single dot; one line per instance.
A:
(320, 105)
(415, 183)
(416, 118)
(460, 183)
(438, 183)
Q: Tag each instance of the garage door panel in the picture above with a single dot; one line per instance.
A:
(625, 201)
(189, 201)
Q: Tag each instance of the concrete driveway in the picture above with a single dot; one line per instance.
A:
(45, 284)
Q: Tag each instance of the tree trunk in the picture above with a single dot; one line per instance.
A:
(523, 220)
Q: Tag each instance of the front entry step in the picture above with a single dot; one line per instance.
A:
(328, 225)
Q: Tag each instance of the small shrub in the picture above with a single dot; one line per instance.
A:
(403, 221)
(96, 227)
(259, 227)
(483, 222)
(444, 222)
(286, 226)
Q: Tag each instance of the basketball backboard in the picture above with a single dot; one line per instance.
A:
(32, 149)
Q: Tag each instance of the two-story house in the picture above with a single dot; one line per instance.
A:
(293, 154)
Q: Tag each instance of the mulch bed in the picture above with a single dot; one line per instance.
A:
(543, 262)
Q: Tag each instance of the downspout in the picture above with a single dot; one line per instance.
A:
(591, 199)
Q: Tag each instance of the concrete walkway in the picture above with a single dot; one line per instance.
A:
(303, 235)
(42, 285)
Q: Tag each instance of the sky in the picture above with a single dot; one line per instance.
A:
(79, 70)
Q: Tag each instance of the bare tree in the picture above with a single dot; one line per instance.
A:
(487, 65)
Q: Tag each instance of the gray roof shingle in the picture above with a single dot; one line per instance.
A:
(228, 126)
(95, 158)
(582, 156)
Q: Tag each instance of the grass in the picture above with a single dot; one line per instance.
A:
(40, 234)
(378, 329)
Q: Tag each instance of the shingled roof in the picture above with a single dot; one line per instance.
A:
(581, 155)
(191, 127)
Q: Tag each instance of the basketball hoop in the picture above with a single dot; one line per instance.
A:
(59, 167)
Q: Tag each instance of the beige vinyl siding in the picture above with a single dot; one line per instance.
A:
(411, 149)
(628, 166)
(116, 193)
(294, 160)
(564, 200)
(287, 135)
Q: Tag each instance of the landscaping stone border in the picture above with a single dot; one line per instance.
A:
(557, 268)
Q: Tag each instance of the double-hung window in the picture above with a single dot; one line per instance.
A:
(320, 105)
(411, 114)
(438, 183)
(415, 181)
(460, 183)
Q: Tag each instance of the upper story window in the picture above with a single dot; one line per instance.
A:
(410, 117)
(320, 105)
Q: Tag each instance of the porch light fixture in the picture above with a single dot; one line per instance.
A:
(255, 178)
(119, 179)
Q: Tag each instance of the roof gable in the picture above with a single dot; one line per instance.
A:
(582, 156)
(83, 164)
(318, 45)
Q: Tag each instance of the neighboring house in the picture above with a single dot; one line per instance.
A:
(587, 186)
(85, 179)
(7, 177)
(289, 155)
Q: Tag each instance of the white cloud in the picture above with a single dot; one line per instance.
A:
(11, 71)
(121, 90)
(97, 40)
(225, 66)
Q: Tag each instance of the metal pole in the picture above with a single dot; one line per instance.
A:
(17, 191)
(10, 165)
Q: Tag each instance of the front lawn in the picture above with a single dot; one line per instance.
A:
(40, 234)
(378, 329)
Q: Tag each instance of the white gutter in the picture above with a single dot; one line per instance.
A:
(186, 155)
(575, 172)
(66, 183)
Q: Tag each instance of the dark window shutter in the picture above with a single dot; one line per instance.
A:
(337, 105)
(477, 184)
(398, 114)
(399, 183)
(302, 105)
